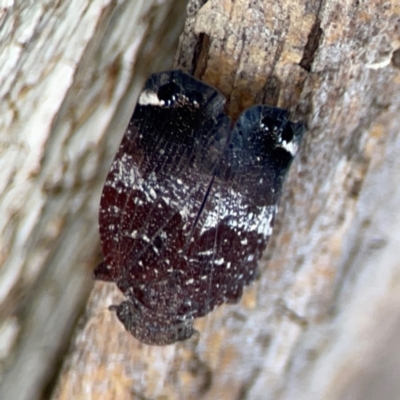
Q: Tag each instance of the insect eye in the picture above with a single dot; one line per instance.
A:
(169, 92)
(287, 133)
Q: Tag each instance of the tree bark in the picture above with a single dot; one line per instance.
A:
(321, 321)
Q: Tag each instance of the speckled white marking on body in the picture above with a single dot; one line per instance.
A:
(185, 212)
(145, 238)
(233, 212)
(166, 200)
(205, 253)
(152, 193)
(124, 172)
(260, 223)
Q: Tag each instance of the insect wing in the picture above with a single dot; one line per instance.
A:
(153, 196)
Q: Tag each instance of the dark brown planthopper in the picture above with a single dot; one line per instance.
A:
(189, 203)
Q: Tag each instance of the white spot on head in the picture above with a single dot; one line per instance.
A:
(148, 98)
(291, 147)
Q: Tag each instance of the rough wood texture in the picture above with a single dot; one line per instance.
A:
(324, 313)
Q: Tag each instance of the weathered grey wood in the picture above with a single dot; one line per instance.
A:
(69, 71)
(316, 322)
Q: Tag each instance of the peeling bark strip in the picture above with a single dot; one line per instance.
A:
(188, 205)
(68, 74)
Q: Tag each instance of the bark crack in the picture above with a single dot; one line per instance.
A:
(312, 45)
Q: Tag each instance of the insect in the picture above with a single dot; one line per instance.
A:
(189, 203)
